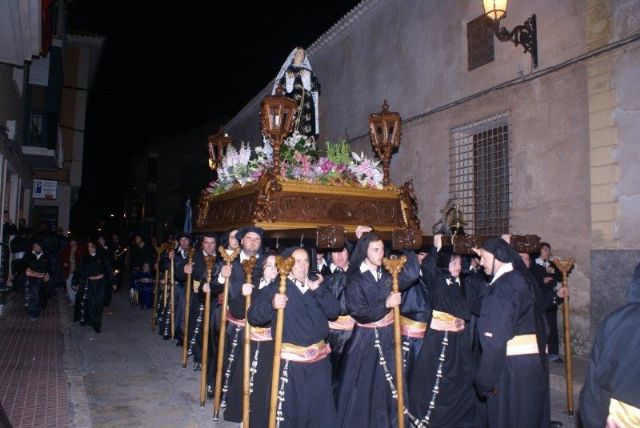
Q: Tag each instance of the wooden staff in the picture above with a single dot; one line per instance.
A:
(209, 260)
(228, 258)
(564, 266)
(248, 266)
(154, 313)
(172, 275)
(164, 301)
(394, 266)
(187, 305)
(284, 266)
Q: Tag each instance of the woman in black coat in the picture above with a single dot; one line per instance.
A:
(92, 277)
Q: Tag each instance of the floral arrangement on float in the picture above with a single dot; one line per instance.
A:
(301, 161)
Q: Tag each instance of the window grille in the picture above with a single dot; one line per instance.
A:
(480, 37)
(479, 174)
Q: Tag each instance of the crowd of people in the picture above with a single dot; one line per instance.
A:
(87, 272)
(478, 331)
(475, 330)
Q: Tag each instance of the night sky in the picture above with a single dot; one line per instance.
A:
(169, 66)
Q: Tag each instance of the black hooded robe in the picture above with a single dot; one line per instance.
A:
(454, 402)
(90, 302)
(234, 355)
(520, 383)
(611, 390)
(365, 398)
(307, 392)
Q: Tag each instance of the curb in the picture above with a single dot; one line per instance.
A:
(79, 411)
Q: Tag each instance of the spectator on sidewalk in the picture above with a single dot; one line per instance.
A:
(611, 393)
(37, 279)
(20, 246)
(143, 283)
(91, 277)
(71, 257)
(550, 280)
(108, 252)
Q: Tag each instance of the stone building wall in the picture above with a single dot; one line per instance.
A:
(573, 121)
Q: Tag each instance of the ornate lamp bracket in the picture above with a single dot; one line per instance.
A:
(525, 35)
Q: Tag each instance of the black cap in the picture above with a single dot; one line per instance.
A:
(257, 230)
(183, 235)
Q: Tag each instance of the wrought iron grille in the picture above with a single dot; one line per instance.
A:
(479, 174)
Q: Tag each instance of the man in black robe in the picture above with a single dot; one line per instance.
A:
(198, 271)
(180, 258)
(512, 372)
(341, 328)
(305, 392)
(250, 240)
(38, 274)
(611, 392)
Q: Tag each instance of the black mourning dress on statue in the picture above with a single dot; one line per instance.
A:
(305, 120)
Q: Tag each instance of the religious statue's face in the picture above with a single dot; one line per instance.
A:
(301, 267)
(298, 56)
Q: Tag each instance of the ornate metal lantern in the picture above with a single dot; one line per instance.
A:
(217, 144)
(525, 35)
(495, 9)
(384, 132)
(276, 115)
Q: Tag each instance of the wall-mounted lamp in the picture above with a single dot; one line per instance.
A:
(525, 35)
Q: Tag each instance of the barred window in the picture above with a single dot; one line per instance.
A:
(479, 174)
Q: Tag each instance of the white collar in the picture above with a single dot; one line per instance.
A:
(507, 267)
(323, 262)
(37, 255)
(333, 267)
(365, 267)
(303, 287)
(244, 257)
(453, 280)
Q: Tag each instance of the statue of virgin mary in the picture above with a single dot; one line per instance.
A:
(301, 85)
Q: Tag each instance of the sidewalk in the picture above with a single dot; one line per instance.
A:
(33, 383)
